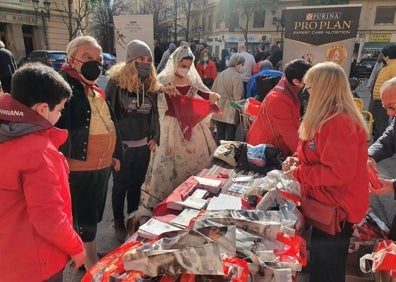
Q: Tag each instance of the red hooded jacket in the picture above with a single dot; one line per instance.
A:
(36, 235)
(283, 109)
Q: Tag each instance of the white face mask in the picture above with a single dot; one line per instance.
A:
(182, 71)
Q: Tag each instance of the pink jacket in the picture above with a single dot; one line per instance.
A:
(333, 167)
(36, 234)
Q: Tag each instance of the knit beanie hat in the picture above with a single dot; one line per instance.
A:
(137, 48)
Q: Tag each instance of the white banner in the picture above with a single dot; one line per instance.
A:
(130, 27)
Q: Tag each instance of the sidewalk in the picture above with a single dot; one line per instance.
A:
(105, 238)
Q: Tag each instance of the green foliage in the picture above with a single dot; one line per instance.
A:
(324, 2)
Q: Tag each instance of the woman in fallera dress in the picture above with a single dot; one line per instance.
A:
(187, 144)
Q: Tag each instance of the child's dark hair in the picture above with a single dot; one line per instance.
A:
(37, 83)
(296, 69)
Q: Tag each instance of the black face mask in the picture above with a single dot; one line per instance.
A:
(303, 96)
(91, 70)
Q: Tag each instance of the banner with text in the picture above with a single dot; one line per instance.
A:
(321, 33)
(130, 27)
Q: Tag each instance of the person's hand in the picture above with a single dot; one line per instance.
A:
(169, 90)
(152, 145)
(116, 164)
(213, 98)
(78, 260)
(289, 162)
(289, 172)
(387, 187)
(371, 162)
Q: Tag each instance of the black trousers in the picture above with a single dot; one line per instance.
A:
(88, 192)
(392, 231)
(129, 179)
(225, 131)
(328, 254)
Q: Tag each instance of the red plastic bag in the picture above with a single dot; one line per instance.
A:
(383, 257)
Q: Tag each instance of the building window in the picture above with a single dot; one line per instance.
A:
(259, 19)
(210, 23)
(385, 15)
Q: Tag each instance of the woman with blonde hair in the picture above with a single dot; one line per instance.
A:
(132, 91)
(331, 164)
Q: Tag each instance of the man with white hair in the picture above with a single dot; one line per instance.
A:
(385, 146)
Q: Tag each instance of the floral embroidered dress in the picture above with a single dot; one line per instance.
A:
(179, 155)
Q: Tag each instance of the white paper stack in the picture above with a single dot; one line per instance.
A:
(153, 228)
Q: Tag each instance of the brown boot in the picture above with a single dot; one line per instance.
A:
(120, 230)
(132, 225)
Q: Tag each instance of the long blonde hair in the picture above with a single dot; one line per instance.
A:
(329, 95)
(126, 76)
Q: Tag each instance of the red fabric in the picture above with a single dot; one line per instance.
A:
(37, 237)
(12, 110)
(256, 68)
(189, 111)
(74, 74)
(164, 214)
(284, 111)
(209, 71)
(333, 167)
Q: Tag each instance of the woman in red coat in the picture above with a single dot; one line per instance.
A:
(206, 68)
(331, 164)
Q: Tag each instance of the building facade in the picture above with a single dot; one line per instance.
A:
(377, 26)
(24, 29)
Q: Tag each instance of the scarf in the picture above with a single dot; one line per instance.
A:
(189, 111)
(66, 68)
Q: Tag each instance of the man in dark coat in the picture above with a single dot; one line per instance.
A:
(7, 67)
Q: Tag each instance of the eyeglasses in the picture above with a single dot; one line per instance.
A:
(392, 107)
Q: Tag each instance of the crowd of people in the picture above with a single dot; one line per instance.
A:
(149, 128)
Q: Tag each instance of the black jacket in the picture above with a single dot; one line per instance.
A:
(7, 63)
(135, 123)
(76, 118)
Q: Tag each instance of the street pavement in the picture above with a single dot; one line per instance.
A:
(383, 206)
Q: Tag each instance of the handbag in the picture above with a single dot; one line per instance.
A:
(321, 216)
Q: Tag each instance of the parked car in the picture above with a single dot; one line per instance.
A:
(54, 59)
(365, 67)
(108, 61)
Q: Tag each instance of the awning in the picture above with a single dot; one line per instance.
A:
(376, 45)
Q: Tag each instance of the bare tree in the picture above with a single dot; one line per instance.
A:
(102, 22)
(75, 14)
(239, 13)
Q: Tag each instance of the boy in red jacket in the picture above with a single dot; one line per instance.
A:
(37, 235)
